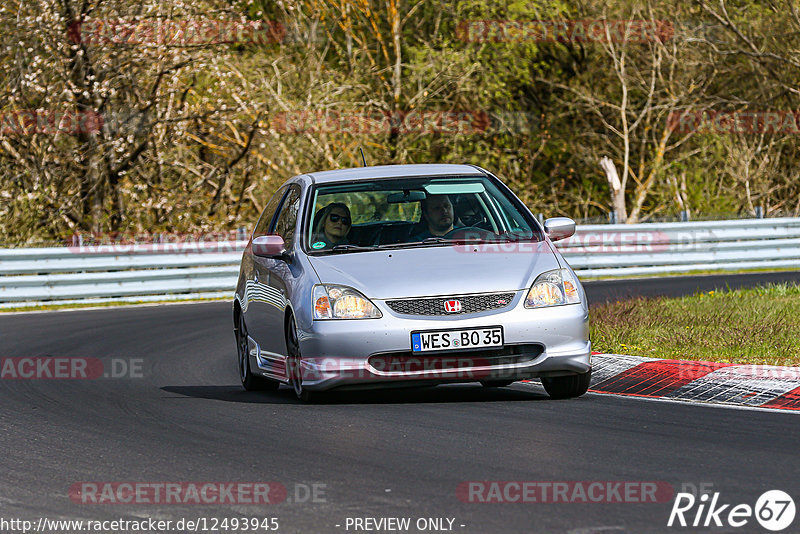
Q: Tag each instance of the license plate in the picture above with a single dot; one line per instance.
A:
(468, 338)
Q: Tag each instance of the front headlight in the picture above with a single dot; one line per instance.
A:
(342, 302)
(553, 288)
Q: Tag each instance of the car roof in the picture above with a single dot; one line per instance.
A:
(395, 171)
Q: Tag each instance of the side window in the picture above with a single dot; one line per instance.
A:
(287, 217)
(262, 227)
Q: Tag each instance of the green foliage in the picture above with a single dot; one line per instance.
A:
(198, 137)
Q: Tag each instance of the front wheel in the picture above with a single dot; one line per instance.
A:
(567, 387)
(250, 382)
(294, 367)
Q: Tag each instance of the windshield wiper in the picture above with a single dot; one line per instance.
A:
(454, 241)
(424, 242)
(348, 248)
(431, 241)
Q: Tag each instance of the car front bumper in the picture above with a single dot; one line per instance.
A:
(354, 353)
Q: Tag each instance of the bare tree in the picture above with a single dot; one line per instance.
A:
(651, 82)
(135, 70)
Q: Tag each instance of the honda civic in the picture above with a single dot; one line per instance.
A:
(404, 276)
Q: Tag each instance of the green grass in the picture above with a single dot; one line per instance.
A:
(758, 326)
(79, 305)
(698, 272)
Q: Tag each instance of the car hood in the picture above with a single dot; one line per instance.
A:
(429, 271)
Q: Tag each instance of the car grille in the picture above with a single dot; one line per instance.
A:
(435, 306)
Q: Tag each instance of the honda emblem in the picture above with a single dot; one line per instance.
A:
(452, 306)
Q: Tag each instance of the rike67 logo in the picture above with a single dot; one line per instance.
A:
(774, 510)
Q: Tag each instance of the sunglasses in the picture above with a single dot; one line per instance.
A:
(336, 218)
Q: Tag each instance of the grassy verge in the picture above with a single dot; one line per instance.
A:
(757, 326)
(690, 273)
(79, 305)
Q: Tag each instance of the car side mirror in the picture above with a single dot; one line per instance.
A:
(269, 246)
(558, 228)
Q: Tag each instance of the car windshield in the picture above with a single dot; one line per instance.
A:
(414, 212)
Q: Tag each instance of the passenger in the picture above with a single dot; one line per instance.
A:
(333, 225)
(469, 212)
(437, 214)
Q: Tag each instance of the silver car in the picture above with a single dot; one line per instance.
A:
(407, 275)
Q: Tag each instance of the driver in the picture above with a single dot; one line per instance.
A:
(437, 213)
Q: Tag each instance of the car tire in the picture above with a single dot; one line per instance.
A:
(250, 382)
(496, 383)
(294, 369)
(567, 387)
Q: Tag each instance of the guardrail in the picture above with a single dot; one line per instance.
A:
(120, 272)
(605, 250)
(189, 271)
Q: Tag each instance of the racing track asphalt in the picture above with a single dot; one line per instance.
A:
(380, 454)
